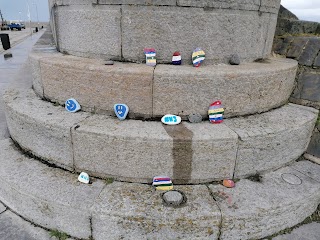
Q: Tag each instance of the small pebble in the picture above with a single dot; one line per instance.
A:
(228, 183)
(173, 198)
(7, 55)
(195, 118)
(110, 62)
(234, 60)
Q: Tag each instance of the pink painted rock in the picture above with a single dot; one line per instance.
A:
(228, 183)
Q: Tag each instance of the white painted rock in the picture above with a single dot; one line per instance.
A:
(84, 177)
(171, 119)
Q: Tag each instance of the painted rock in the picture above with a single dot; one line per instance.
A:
(162, 183)
(150, 56)
(195, 118)
(171, 119)
(72, 105)
(176, 58)
(198, 57)
(228, 183)
(84, 177)
(216, 112)
(121, 111)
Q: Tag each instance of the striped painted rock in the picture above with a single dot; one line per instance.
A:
(215, 112)
(176, 58)
(150, 56)
(198, 57)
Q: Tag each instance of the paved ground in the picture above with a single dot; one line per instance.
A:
(15, 228)
(16, 37)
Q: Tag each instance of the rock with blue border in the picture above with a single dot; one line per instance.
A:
(171, 119)
(72, 105)
(121, 111)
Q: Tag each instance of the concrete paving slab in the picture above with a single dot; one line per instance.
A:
(14, 227)
(2, 208)
(253, 210)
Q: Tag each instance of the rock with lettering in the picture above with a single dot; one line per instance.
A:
(84, 178)
(171, 119)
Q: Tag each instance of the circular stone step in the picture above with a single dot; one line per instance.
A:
(136, 151)
(54, 199)
(166, 89)
(121, 29)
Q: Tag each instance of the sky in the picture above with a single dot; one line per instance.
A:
(304, 9)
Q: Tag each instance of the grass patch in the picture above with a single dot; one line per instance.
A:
(59, 235)
(109, 180)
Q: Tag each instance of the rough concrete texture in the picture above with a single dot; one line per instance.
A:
(41, 128)
(314, 146)
(98, 87)
(252, 210)
(187, 153)
(309, 169)
(179, 90)
(136, 151)
(243, 89)
(309, 231)
(265, 144)
(135, 211)
(13, 227)
(46, 196)
(89, 31)
(241, 32)
(2, 208)
(127, 150)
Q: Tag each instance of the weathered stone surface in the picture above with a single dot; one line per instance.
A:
(253, 210)
(153, 27)
(310, 86)
(185, 90)
(14, 227)
(40, 128)
(310, 52)
(309, 231)
(2, 208)
(137, 211)
(98, 87)
(285, 46)
(89, 31)
(317, 61)
(314, 146)
(189, 153)
(263, 145)
(309, 169)
(50, 197)
(297, 47)
(285, 13)
(127, 150)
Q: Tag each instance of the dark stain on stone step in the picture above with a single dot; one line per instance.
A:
(181, 152)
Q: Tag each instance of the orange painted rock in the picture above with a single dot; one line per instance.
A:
(228, 183)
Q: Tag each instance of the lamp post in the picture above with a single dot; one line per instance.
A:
(19, 17)
(34, 3)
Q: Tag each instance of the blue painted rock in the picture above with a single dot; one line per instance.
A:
(151, 59)
(163, 183)
(216, 112)
(121, 111)
(84, 178)
(198, 56)
(72, 105)
(171, 119)
(176, 58)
